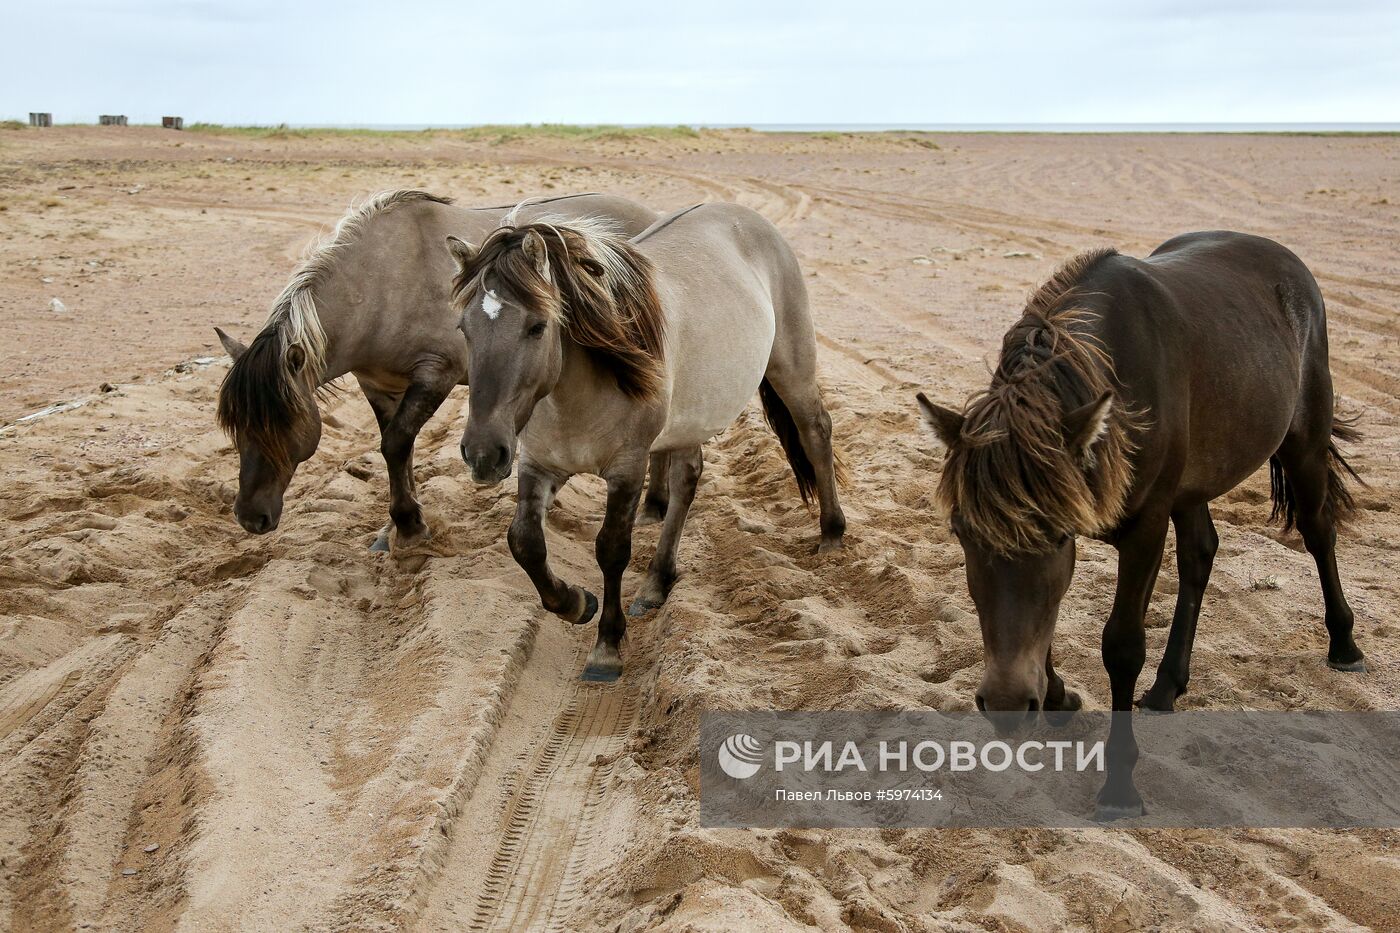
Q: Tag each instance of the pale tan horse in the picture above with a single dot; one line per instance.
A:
(373, 301)
(593, 352)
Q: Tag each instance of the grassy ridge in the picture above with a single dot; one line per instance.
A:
(498, 132)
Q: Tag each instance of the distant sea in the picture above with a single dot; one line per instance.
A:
(955, 127)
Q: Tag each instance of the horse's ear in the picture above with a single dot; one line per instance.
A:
(535, 251)
(231, 346)
(1086, 425)
(295, 358)
(946, 424)
(462, 251)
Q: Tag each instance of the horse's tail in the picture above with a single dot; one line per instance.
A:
(776, 413)
(269, 394)
(1340, 506)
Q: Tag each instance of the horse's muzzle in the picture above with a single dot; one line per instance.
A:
(258, 523)
(490, 463)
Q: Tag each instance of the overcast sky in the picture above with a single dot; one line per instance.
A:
(730, 61)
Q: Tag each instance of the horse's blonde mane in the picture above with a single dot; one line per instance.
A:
(294, 311)
(261, 400)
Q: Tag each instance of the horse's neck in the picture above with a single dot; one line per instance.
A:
(582, 382)
(334, 325)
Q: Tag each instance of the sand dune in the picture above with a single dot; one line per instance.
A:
(311, 735)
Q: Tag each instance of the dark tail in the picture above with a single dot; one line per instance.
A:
(776, 413)
(1339, 501)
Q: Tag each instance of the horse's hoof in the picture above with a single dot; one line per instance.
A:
(381, 543)
(1348, 667)
(1107, 812)
(829, 545)
(590, 607)
(642, 605)
(649, 515)
(1062, 714)
(1157, 701)
(408, 542)
(604, 665)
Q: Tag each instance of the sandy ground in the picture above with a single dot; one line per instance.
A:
(207, 730)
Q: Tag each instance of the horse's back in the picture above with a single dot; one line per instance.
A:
(1242, 288)
(398, 274)
(1213, 339)
(629, 217)
(721, 272)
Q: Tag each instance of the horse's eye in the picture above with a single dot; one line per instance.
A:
(536, 329)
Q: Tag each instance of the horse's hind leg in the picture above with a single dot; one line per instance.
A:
(1308, 471)
(682, 476)
(796, 387)
(1196, 544)
(658, 491)
(614, 550)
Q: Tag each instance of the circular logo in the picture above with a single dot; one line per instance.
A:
(741, 756)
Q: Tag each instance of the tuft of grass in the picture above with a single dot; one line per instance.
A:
(13, 125)
(280, 131)
(1269, 582)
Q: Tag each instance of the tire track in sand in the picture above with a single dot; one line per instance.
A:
(536, 870)
(539, 800)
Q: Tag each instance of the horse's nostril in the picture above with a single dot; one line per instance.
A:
(1034, 706)
(261, 523)
(981, 703)
(463, 449)
(502, 457)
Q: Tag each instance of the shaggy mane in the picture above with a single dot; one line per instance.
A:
(262, 400)
(1010, 478)
(612, 311)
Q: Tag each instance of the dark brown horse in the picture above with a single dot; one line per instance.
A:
(1130, 394)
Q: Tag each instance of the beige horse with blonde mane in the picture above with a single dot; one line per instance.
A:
(372, 301)
(593, 352)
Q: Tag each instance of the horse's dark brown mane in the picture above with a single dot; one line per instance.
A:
(263, 400)
(1010, 478)
(260, 403)
(599, 288)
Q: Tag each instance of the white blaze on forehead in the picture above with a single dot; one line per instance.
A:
(491, 304)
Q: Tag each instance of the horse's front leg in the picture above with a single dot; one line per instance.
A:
(526, 538)
(1059, 699)
(1196, 544)
(422, 398)
(383, 404)
(658, 495)
(1124, 651)
(614, 550)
